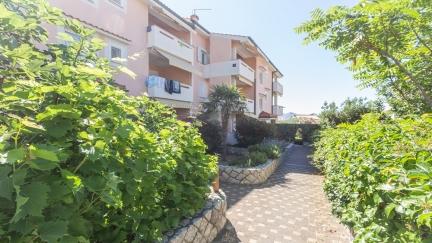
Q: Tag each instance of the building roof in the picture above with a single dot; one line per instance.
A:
(97, 27)
(248, 38)
(194, 25)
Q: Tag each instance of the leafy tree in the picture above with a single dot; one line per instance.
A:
(387, 44)
(350, 111)
(80, 160)
(228, 101)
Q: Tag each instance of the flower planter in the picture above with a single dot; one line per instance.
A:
(253, 175)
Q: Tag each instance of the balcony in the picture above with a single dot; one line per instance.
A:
(278, 88)
(277, 110)
(156, 89)
(162, 40)
(250, 106)
(229, 68)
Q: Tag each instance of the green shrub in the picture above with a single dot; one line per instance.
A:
(257, 158)
(211, 132)
(80, 160)
(288, 131)
(250, 131)
(272, 151)
(378, 175)
(253, 158)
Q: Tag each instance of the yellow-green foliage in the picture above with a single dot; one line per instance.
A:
(378, 175)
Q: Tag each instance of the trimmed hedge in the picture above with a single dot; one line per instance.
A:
(378, 175)
(250, 131)
(80, 160)
(288, 131)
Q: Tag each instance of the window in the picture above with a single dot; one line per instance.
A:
(118, 3)
(261, 104)
(203, 57)
(203, 90)
(116, 52)
(261, 77)
(91, 2)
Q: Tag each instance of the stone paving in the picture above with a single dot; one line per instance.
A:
(289, 207)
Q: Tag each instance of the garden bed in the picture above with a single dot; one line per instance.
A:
(252, 175)
(205, 225)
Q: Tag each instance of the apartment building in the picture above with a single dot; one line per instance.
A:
(176, 60)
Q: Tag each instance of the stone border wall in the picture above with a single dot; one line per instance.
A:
(254, 175)
(205, 225)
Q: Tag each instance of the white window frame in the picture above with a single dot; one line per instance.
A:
(123, 4)
(123, 48)
(199, 56)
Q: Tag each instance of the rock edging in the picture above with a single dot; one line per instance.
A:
(253, 175)
(205, 225)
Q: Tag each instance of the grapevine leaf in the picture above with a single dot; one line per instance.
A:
(53, 230)
(15, 155)
(73, 181)
(6, 188)
(63, 110)
(37, 193)
(78, 226)
(389, 210)
(43, 154)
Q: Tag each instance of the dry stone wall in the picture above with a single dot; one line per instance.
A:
(254, 175)
(205, 225)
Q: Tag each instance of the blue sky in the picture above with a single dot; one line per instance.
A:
(312, 74)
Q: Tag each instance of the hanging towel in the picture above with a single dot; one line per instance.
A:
(176, 87)
(153, 80)
(168, 86)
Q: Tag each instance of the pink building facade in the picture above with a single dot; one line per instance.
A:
(175, 59)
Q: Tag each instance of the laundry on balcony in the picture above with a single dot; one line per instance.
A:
(172, 86)
(153, 80)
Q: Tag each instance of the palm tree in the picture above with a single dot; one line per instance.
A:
(227, 100)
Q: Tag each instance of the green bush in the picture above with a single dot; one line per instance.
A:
(288, 131)
(80, 160)
(257, 158)
(378, 175)
(271, 150)
(250, 131)
(211, 132)
(253, 158)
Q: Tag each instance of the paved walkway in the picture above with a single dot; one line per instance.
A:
(289, 207)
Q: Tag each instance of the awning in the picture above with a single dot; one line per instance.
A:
(175, 103)
(174, 61)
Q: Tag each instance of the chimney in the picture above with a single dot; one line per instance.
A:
(194, 18)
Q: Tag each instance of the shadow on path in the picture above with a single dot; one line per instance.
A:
(289, 207)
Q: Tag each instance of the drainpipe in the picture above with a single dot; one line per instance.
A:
(255, 94)
(273, 75)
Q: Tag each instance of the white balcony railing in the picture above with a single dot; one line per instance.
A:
(156, 89)
(277, 88)
(235, 67)
(163, 40)
(250, 106)
(277, 110)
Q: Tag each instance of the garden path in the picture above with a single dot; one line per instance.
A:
(289, 207)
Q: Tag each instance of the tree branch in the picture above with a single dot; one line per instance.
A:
(404, 70)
